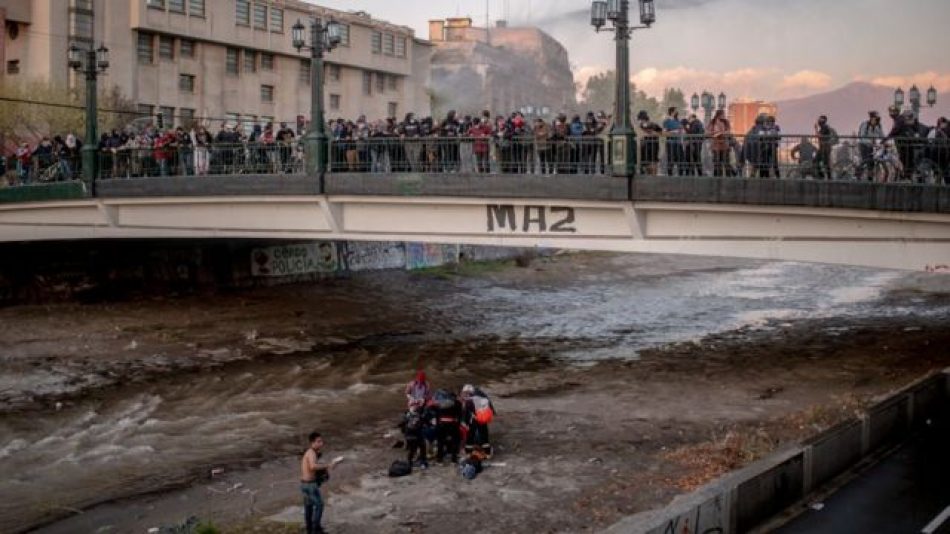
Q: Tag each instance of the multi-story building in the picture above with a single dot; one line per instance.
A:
(499, 69)
(228, 60)
(742, 113)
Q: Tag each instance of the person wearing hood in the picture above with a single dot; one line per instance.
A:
(418, 391)
(449, 145)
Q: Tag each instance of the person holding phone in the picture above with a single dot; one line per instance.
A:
(314, 474)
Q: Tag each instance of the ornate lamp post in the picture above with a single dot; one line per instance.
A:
(694, 103)
(323, 38)
(708, 103)
(622, 136)
(899, 98)
(722, 101)
(914, 95)
(92, 63)
(931, 97)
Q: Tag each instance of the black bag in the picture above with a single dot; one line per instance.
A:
(400, 468)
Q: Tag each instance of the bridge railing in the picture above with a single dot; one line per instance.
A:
(764, 156)
(227, 159)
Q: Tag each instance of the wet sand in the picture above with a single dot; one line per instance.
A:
(580, 444)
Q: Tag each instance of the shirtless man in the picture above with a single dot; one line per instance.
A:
(312, 475)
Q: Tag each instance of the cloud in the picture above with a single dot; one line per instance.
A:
(807, 79)
(923, 80)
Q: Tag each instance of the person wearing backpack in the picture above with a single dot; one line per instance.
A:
(827, 139)
(477, 413)
(448, 413)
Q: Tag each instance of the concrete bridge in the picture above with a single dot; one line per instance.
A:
(897, 226)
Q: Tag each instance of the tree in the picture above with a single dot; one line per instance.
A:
(35, 109)
(598, 94)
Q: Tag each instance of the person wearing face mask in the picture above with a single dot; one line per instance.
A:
(869, 133)
(827, 139)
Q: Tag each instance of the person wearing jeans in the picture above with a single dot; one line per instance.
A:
(313, 474)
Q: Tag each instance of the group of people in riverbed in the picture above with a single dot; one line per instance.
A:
(436, 423)
(446, 423)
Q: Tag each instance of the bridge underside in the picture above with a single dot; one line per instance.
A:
(913, 241)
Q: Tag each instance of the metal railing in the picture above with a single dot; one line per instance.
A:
(230, 159)
(42, 169)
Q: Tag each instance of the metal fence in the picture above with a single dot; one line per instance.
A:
(763, 156)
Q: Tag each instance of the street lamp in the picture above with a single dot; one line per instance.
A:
(92, 63)
(622, 136)
(722, 101)
(323, 39)
(708, 103)
(914, 95)
(931, 97)
(899, 98)
(694, 102)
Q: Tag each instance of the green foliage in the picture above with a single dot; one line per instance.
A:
(598, 95)
(206, 528)
(28, 121)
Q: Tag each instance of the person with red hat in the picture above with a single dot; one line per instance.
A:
(418, 391)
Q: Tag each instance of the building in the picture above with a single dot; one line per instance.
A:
(742, 113)
(231, 60)
(500, 69)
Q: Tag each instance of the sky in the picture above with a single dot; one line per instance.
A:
(768, 49)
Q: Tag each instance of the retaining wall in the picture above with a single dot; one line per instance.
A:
(740, 501)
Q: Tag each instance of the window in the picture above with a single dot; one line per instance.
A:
(243, 12)
(267, 61)
(260, 16)
(81, 4)
(305, 71)
(186, 83)
(367, 83)
(187, 117)
(376, 43)
(333, 72)
(178, 6)
(13, 66)
(380, 82)
(250, 61)
(80, 26)
(196, 8)
(187, 48)
(267, 93)
(276, 20)
(401, 47)
(160, 4)
(231, 62)
(335, 102)
(145, 50)
(393, 108)
(391, 83)
(166, 47)
(344, 34)
(146, 110)
(389, 44)
(169, 114)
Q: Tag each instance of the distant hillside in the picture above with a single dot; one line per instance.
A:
(846, 108)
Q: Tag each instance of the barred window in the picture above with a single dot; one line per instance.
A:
(196, 8)
(250, 61)
(187, 117)
(267, 61)
(145, 110)
(376, 42)
(335, 102)
(186, 83)
(276, 20)
(13, 66)
(169, 114)
(344, 34)
(267, 93)
(391, 82)
(393, 109)
(231, 63)
(401, 47)
(380, 82)
(178, 6)
(389, 44)
(305, 71)
(333, 72)
(146, 53)
(260, 16)
(187, 48)
(160, 4)
(81, 4)
(367, 83)
(80, 26)
(166, 47)
(243, 12)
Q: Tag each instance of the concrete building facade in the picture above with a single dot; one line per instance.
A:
(219, 60)
(500, 69)
(742, 113)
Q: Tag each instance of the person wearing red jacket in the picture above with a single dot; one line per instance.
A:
(164, 150)
(481, 132)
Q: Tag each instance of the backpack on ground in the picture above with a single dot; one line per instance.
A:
(400, 468)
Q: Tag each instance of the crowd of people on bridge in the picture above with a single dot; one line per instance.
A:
(506, 144)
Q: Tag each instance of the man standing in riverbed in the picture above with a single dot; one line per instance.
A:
(313, 474)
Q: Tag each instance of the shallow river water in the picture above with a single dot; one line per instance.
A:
(143, 437)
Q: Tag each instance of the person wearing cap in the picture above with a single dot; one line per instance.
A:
(870, 132)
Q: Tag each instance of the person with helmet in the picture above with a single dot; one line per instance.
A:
(869, 133)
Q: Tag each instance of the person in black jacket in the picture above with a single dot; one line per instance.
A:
(448, 415)
(413, 428)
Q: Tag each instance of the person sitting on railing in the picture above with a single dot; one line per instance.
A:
(870, 132)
